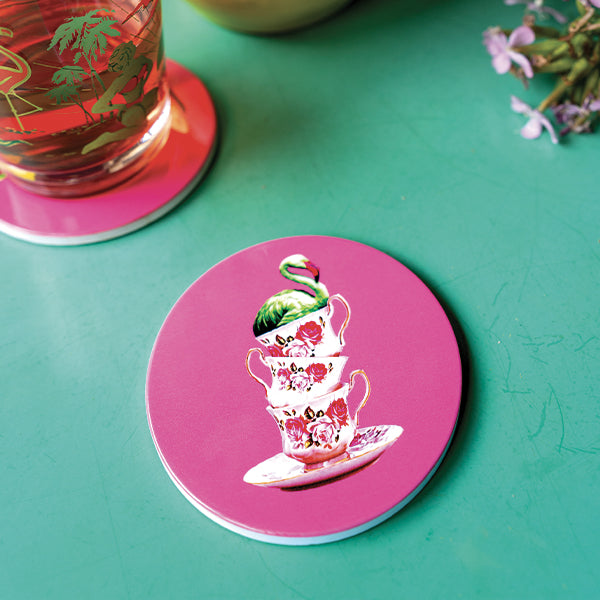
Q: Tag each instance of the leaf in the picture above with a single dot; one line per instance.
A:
(94, 38)
(86, 33)
(63, 93)
(69, 75)
(309, 413)
(64, 35)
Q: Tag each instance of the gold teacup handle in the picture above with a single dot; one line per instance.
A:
(346, 320)
(367, 392)
(262, 358)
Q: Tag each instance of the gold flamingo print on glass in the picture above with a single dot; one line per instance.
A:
(83, 90)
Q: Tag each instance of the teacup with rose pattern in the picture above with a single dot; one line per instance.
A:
(311, 335)
(297, 378)
(322, 428)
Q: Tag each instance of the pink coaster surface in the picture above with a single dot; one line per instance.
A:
(150, 194)
(223, 449)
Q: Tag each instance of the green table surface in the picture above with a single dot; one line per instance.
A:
(388, 126)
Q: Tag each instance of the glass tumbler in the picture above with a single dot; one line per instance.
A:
(84, 100)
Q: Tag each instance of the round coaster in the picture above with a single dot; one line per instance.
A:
(304, 471)
(157, 189)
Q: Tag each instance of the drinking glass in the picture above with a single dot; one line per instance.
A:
(84, 100)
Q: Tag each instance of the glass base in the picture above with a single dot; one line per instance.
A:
(152, 192)
(98, 177)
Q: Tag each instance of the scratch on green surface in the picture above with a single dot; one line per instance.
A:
(585, 344)
(584, 450)
(542, 423)
(545, 362)
(542, 340)
(526, 276)
(489, 329)
(498, 292)
(279, 578)
(562, 419)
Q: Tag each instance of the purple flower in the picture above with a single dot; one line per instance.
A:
(595, 3)
(501, 48)
(537, 6)
(537, 121)
(576, 118)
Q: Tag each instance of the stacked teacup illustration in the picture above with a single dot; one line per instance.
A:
(303, 364)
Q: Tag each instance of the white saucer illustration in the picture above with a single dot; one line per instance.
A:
(284, 472)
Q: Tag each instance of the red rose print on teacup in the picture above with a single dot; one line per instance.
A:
(275, 350)
(296, 432)
(317, 371)
(338, 412)
(310, 332)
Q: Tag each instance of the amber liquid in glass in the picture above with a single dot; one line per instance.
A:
(84, 102)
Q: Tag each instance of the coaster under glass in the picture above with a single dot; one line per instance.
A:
(150, 194)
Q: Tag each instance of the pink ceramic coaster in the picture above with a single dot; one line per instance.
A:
(146, 197)
(310, 469)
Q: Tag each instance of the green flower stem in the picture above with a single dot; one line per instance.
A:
(577, 95)
(580, 68)
(591, 82)
(596, 53)
(562, 65)
(580, 42)
(555, 95)
(541, 47)
(561, 50)
(546, 32)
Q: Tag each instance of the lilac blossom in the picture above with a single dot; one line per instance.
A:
(576, 118)
(537, 121)
(502, 50)
(537, 6)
